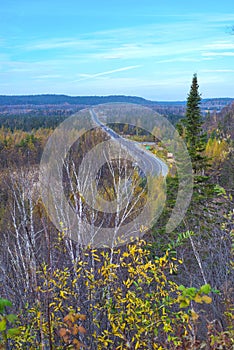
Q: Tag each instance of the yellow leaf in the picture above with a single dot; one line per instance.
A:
(194, 315)
(137, 345)
(80, 316)
(63, 294)
(206, 299)
(198, 299)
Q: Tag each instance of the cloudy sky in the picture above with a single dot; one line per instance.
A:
(147, 48)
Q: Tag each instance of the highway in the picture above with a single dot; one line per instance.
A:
(146, 162)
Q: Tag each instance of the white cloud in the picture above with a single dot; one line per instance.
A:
(91, 76)
(147, 50)
(184, 59)
(212, 54)
(48, 76)
(217, 71)
(220, 45)
(219, 17)
(62, 43)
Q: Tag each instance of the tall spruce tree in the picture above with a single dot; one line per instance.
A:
(194, 135)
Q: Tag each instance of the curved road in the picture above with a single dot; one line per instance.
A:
(145, 160)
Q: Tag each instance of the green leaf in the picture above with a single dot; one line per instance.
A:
(13, 332)
(181, 287)
(206, 289)
(216, 291)
(11, 318)
(190, 291)
(3, 325)
(4, 303)
(219, 190)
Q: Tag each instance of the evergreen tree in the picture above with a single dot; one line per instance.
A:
(194, 136)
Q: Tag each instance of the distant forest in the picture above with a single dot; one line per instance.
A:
(48, 111)
(94, 100)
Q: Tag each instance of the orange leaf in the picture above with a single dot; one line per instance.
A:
(62, 332)
(81, 329)
(69, 317)
(78, 344)
(75, 329)
(66, 338)
(81, 317)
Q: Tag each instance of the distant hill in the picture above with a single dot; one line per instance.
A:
(63, 105)
(73, 100)
(94, 100)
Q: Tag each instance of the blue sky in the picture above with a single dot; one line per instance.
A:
(144, 48)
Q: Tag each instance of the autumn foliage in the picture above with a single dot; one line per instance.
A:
(114, 299)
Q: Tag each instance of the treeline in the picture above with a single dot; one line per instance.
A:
(32, 121)
(49, 99)
(62, 99)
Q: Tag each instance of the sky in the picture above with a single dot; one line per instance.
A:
(144, 48)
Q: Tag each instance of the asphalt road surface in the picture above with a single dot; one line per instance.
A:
(147, 162)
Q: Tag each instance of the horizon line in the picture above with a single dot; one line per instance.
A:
(111, 95)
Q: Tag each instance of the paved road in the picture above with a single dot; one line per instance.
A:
(145, 160)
